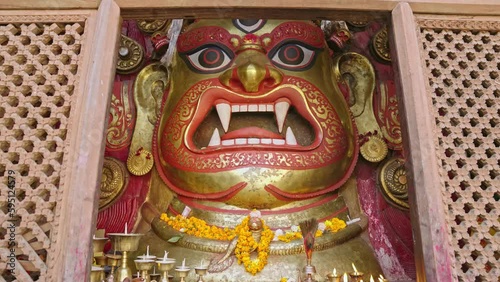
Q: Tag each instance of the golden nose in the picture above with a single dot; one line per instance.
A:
(252, 73)
(251, 76)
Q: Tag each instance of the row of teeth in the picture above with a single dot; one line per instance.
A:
(215, 141)
(280, 109)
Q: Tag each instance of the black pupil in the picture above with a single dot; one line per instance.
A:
(211, 58)
(291, 54)
(248, 22)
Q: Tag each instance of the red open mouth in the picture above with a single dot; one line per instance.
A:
(278, 120)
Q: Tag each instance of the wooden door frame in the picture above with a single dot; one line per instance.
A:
(81, 200)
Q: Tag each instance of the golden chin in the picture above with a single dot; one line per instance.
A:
(254, 195)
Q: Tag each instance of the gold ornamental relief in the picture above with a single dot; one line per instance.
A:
(374, 150)
(121, 120)
(130, 56)
(358, 24)
(151, 26)
(140, 162)
(380, 45)
(113, 181)
(393, 183)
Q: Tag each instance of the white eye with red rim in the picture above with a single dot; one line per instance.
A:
(209, 59)
(293, 56)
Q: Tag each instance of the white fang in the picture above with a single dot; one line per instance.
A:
(215, 140)
(290, 137)
(224, 111)
(281, 109)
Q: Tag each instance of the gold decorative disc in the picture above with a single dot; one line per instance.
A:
(380, 45)
(374, 150)
(393, 183)
(358, 24)
(130, 55)
(151, 26)
(140, 162)
(113, 181)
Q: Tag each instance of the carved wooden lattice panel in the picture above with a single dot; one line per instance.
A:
(463, 68)
(39, 70)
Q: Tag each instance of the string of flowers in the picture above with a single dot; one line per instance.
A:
(198, 227)
(333, 225)
(246, 243)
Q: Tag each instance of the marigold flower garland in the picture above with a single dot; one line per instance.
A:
(333, 225)
(246, 243)
(198, 227)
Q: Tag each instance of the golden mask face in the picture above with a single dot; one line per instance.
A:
(252, 117)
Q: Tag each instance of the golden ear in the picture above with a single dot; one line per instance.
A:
(356, 74)
(149, 88)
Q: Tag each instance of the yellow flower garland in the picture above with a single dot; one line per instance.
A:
(246, 244)
(335, 224)
(198, 227)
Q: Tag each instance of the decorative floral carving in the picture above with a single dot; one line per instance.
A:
(121, 120)
(424, 21)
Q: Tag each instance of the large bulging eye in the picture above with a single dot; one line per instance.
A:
(293, 56)
(209, 59)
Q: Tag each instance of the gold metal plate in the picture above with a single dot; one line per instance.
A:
(130, 55)
(393, 183)
(151, 26)
(113, 181)
(380, 45)
(374, 150)
(140, 162)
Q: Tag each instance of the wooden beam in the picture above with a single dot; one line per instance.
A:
(71, 257)
(428, 213)
(252, 13)
(277, 9)
(296, 9)
(49, 5)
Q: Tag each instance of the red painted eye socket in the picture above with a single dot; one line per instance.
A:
(208, 59)
(293, 56)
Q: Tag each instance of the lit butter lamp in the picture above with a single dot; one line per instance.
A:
(164, 265)
(356, 276)
(333, 277)
(182, 271)
(124, 242)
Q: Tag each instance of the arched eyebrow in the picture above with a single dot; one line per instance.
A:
(197, 37)
(294, 31)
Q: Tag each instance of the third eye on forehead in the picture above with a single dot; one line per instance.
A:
(248, 25)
